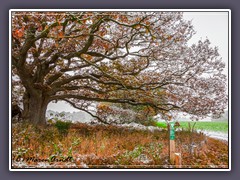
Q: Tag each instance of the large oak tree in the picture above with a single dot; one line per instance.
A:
(138, 58)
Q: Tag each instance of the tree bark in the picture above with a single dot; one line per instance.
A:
(35, 106)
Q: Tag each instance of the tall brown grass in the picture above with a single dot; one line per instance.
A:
(100, 146)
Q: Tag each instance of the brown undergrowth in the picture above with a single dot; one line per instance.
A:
(99, 146)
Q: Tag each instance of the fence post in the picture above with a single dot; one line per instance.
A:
(172, 143)
(178, 160)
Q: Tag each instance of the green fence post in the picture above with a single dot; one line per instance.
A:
(172, 142)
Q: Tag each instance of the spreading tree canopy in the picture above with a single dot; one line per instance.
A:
(136, 58)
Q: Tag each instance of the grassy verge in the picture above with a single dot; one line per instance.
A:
(208, 126)
(111, 147)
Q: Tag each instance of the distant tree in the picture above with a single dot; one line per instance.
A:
(118, 57)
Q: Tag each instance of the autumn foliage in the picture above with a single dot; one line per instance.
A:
(136, 58)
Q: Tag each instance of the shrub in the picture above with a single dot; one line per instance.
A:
(113, 114)
(122, 113)
(150, 122)
(63, 126)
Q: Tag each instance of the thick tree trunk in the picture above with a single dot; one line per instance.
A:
(35, 106)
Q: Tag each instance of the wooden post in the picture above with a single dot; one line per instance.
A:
(195, 150)
(172, 143)
(178, 160)
(172, 151)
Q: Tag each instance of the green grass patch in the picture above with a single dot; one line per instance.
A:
(208, 126)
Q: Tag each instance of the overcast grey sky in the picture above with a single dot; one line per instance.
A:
(214, 26)
(211, 25)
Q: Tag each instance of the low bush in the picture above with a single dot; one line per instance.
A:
(63, 126)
